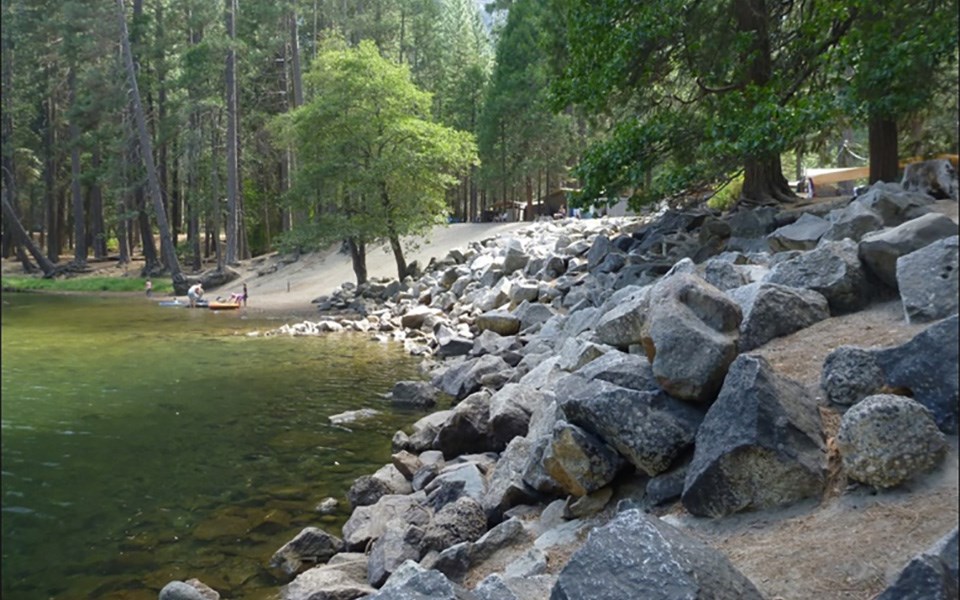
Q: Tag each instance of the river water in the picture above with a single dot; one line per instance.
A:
(142, 444)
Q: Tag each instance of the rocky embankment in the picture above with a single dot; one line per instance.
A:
(602, 373)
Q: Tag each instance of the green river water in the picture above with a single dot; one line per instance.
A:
(142, 444)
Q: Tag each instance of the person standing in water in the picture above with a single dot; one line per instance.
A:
(195, 293)
(244, 297)
(149, 288)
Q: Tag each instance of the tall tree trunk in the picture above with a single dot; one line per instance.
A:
(358, 256)
(763, 180)
(392, 235)
(79, 215)
(97, 228)
(175, 197)
(215, 192)
(123, 238)
(884, 152)
(232, 165)
(529, 193)
(6, 132)
(49, 182)
(166, 242)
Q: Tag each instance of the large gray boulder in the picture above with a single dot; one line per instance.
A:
(419, 394)
(343, 579)
(425, 432)
(466, 378)
(578, 461)
(460, 521)
(368, 523)
(886, 439)
(510, 410)
(759, 446)
(771, 310)
(412, 582)
(498, 321)
(880, 250)
(179, 590)
(931, 575)
(928, 280)
(648, 428)
(632, 371)
(853, 221)
(927, 365)
(505, 487)
(312, 545)
(466, 429)
(391, 550)
(540, 434)
(894, 204)
(622, 325)
(531, 314)
(515, 256)
(802, 234)
(850, 374)
(936, 178)
(639, 556)
(690, 336)
(455, 481)
(833, 269)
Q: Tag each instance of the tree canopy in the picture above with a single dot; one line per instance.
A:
(653, 100)
(369, 148)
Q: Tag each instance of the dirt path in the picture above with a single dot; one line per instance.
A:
(291, 288)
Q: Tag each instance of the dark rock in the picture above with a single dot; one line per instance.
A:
(390, 512)
(931, 575)
(666, 487)
(467, 427)
(832, 269)
(928, 281)
(771, 310)
(936, 178)
(464, 379)
(853, 222)
(506, 488)
(311, 545)
(598, 251)
(639, 556)
(691, 336)
(412, 582)
(515, 257)
(850, 374)
(894, 204)
(510, 410)
(344, 580)
(454, 482)
(178, 590)
(623, 325)
(927, 366)
(879, 251)
(366, 490)
(722, 274)
(632, 371)
(390, 551)
(420, 394)
(803, 234)
(459, 521)
(885, 439)
(578, 461)
(425, 431)
(533, 313)
(759, 446)
(754, 223)
(649, 429)
(498, 321)
(424, 475)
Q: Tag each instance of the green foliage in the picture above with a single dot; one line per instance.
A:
(84, 284)
(697, 89)
(366, 140)
(519, 132)
(724, 197)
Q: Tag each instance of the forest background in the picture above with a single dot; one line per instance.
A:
(228, 130)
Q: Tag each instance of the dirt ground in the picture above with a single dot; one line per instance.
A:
(847, 546)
